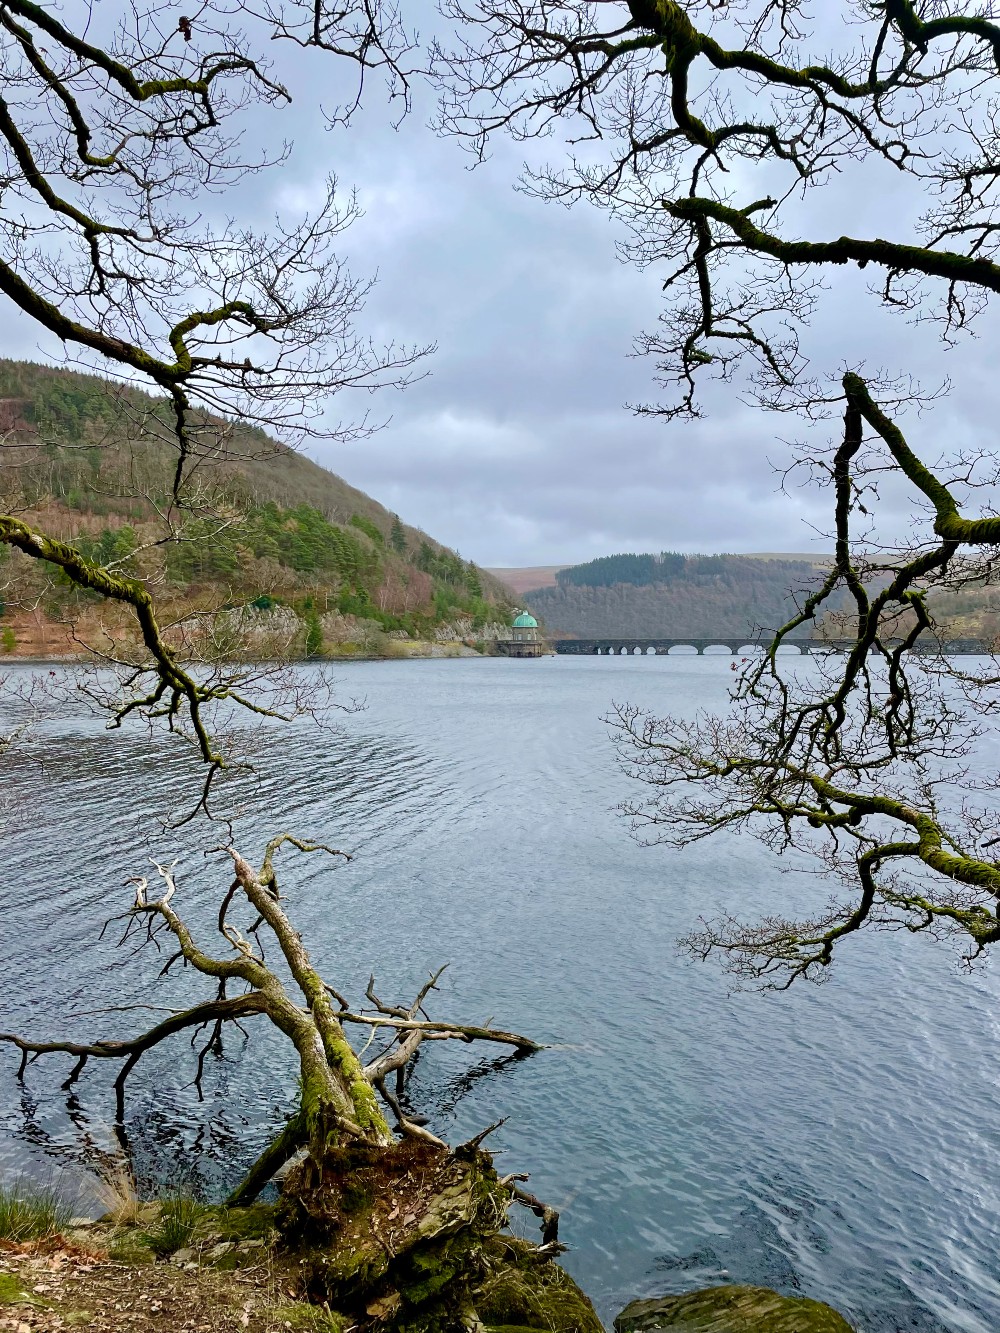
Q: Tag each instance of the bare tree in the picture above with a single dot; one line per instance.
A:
(423, 1191)
(114, 137)
(708, 129)
(116, 133)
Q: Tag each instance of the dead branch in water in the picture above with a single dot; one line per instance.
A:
(338, 1100)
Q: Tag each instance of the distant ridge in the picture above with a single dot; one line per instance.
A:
(528, 578)
(658, 595)
(819, 558)
(759, 589)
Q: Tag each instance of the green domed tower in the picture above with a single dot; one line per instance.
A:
(525, 639)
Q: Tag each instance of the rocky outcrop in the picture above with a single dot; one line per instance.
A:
(463, 631)
(731, 1309)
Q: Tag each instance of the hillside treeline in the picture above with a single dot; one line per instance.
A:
(638, 570)
(668, 595)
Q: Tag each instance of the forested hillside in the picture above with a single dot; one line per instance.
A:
(264, 528)
(666, 595)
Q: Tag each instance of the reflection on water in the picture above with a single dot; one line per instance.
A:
(837, 1142)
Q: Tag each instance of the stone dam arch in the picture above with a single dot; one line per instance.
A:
(721, 645)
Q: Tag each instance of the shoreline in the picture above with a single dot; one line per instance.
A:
(423, 651)
(14, 661)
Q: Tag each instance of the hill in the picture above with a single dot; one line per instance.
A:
(265, 529)
(527, 579)
(667, 594)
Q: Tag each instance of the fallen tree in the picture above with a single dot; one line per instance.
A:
(393, 1224)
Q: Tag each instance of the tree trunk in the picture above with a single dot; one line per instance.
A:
(388, 1231)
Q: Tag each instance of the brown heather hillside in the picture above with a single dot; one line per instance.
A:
(528, 579)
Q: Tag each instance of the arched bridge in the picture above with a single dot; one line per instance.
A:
(739, 647)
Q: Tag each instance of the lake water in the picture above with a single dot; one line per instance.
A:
(838, 1141)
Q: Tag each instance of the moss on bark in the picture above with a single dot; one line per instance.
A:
(521, 1291)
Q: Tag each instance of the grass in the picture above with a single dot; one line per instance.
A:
(254, 1222)
(29, 1211)
(307, 1318)
(178, 1219)
(11, 1289)
(128, 1246)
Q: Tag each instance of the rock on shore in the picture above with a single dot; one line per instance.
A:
(731, 1309)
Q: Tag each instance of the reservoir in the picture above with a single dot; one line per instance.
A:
(838, 1141)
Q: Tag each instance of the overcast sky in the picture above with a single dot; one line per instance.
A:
(518, 448)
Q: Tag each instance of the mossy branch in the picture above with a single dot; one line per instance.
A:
(948, 521)
(174, 681)
(129, 1049)
(898, 258)
(139, 90)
